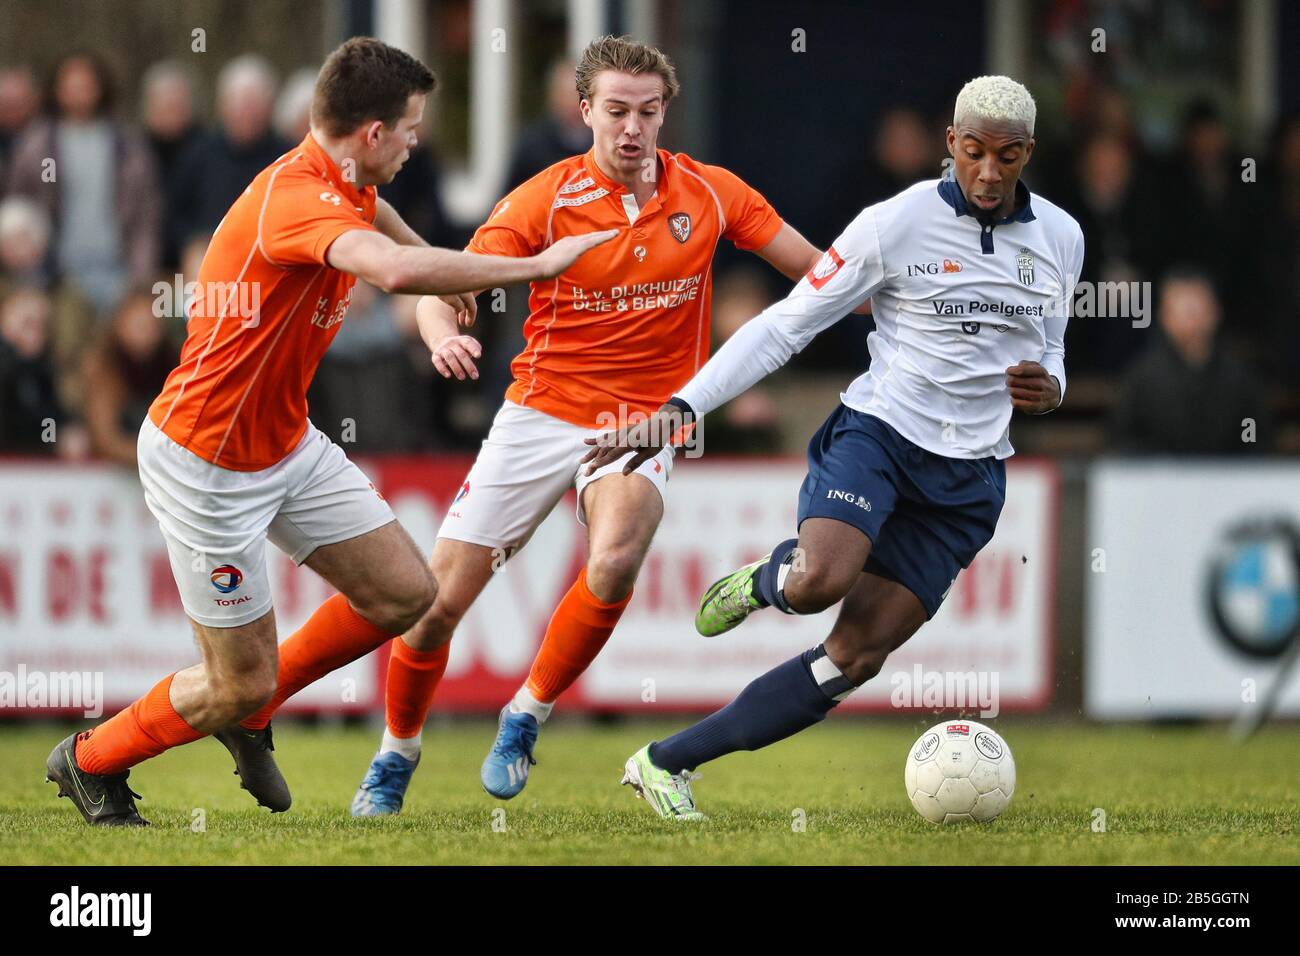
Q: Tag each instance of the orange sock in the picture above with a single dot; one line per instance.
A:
(412, 678)
(145, 729)
(333, 636)
(578, 630)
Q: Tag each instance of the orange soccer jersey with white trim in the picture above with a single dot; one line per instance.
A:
(267, 307)
(628, 323)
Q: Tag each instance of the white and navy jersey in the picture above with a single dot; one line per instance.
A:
(955, 302)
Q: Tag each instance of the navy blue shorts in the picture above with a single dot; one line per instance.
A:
(927, 515)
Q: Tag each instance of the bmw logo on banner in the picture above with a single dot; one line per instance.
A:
(1253, 587)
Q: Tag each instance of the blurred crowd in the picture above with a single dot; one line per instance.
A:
(106, 209)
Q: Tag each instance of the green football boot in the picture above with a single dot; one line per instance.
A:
(729, 600)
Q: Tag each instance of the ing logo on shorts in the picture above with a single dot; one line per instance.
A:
(227, 578)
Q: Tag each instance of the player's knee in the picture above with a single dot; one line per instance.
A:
(242, 694)
(405, 608)
(611, 572)
(436, 626)
(819, 587)
(403, 600)
(858, 659)
(863, 666)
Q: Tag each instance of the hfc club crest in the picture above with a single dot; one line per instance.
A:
(679, 225)
(1025, 263)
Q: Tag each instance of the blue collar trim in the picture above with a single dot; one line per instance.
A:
(951, 193)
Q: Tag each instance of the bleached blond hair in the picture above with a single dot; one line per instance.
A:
(995, 98)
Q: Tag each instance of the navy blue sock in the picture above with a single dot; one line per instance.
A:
(765, 588)
(784, 701)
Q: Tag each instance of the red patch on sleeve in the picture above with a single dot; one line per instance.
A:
(825, 268)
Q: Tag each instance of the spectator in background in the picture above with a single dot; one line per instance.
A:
(104, 198)
(293, 106)
(1276, 215)
(167, 93)
(559, 134)
(19, 101)
(362, 393)
(215, 168)
(191, 259)
(416, 194)
(24, 243)
(1187, 394)
(751, 421)
(124, 371)
(29, 403)
(1104, 196)
(1202, 212)
(24, 255)
(904, 153)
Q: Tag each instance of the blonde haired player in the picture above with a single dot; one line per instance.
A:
(605, 339)
(907, 476)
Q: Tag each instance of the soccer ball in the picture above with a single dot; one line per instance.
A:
(960, 770)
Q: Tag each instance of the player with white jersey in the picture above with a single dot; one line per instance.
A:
(970, 281)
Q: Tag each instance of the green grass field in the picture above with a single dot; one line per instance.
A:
(1171, 795)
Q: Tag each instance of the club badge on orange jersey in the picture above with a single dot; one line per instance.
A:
(679, 224)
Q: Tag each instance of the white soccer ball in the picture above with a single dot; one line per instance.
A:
(960, 770)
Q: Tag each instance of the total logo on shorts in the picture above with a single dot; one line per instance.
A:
(227, 578)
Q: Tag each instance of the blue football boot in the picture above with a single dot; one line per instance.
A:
(384, 785)
(505, 771)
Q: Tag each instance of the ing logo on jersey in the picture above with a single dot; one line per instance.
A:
(825, 269)
(227, 578)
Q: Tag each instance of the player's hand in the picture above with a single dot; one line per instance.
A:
(1032, 389)
(562, 253)
(645, 440)
(454, 357)
(465, 305)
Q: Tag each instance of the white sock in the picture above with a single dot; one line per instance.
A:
(408, 747)
(782, 573)
(526, 703)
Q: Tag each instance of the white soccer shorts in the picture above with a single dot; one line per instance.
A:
(216, 521)
(528, 461)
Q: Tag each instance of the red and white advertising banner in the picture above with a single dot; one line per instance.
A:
(85, 586)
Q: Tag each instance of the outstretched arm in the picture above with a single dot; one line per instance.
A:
(386, 265)
(790, 254)
(850, 271)
(391, 224)
(453, 353)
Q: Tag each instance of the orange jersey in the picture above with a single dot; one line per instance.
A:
(628, 323)
(266, 307)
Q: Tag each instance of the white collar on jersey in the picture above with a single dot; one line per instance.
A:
(631, 208)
